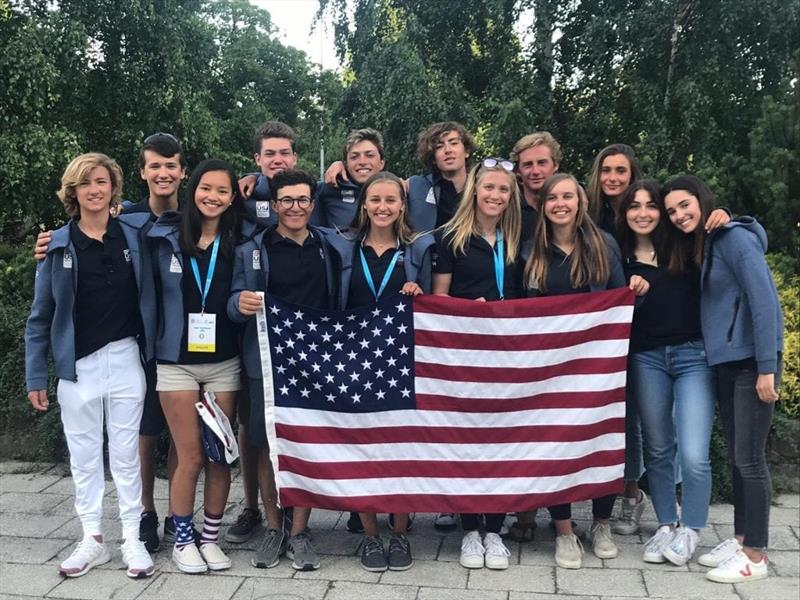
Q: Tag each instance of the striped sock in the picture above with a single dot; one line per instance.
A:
(211, 525)
(183, 530)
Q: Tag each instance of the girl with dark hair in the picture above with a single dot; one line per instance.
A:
(614, 169)
(742, 326)
(385, 258)
(570, 255)
(197, 347)
(669, 379)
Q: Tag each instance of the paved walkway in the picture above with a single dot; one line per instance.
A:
(38, 528)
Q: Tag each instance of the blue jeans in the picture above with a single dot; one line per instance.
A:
(675, 391)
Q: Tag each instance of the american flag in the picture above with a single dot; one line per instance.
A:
(442, 404)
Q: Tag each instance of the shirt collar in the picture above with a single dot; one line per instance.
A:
(83, 241)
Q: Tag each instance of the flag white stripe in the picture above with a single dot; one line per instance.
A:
(317, 452)
(450, 485)
(521, 325)
(439, 418)
(458, 357)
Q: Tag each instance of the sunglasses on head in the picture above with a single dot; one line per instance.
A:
(158, 134)
(503, 163)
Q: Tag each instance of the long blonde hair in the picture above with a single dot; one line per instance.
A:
(401, 227)
(589, 258)
(464, 223)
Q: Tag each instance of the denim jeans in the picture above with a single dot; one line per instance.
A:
(634, 467)
(675, 390)
(746, 421)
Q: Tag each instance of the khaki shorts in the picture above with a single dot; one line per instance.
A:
(213, 377)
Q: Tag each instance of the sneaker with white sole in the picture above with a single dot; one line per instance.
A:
(630, 515)
(721, 552)
(569, 551)
(654, 547)
(302, 553)
(188, 559)
(603, 544)
(445, 522)
(269, 552)
(495, 552)
(739, 569)
(88, 553)
(472, 551)
(215, 558)
(682, 547)
(136, 558)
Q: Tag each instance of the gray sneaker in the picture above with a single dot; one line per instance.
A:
(399, 553)
(373, 557)
(302, 553)
(630, 515)
(269, 553)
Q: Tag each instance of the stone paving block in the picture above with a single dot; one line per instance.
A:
(423, 547)
(545, 554)
(340, 568)
(241, 567)
(286, 589)
(780, 538)
(429, 574)
(73, 530)
(630, 557)
(769, 589)
(720, 513)
(787, 500)
(426, 593)
(26, 482)
(522, 578)
(99, 584)
(692, 586)
(24, 503)
(28, 580)
(29, 550)
(18, 466)
(779, 515)
(26, 526)
(533, 596)
(348, 590)
(617, 582)
(328, 519)
(174, 586)
(785, 562)
(337, 541)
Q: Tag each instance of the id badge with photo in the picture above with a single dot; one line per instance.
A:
(202, 332)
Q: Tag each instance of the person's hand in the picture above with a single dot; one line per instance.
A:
(39, 399)
(335, 170)
(717, 219)
(411, 289)
(639, 285)
(42, 242)
(249, 303)
(765, 387)
(247, 184)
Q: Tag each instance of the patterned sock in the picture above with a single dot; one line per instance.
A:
(183, 530)
(211, 525)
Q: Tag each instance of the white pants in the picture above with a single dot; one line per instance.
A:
(110, 389)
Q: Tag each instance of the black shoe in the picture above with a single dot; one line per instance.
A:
(248, 521)
(373, 557)
(399, 553)
(354, 524)
(148, 531)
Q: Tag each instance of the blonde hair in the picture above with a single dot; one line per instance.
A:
(589, 258)
(401, 227)
(537, 138)
(78, 171)
(464, 223)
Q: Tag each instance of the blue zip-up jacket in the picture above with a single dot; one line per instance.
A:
(51, 324)
(739, 308)
(423, 201)
(417, 263)
(336, 206)
(257, 206)
(251, 272)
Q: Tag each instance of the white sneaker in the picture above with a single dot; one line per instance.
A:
(445, 521)
(721, 552)
(472, 551)
(682, 546)
(654, 547)
(738, 569)
(630, 515)
(569, 551)
(136, 559)
(508, 521)
(603, 544)
(496, 553)
(188, 559)
(215, 558)
(87, 554)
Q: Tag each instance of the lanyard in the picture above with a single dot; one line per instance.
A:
(209, 275)
(386, 276)
(499, 262)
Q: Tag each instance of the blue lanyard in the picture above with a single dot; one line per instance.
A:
(386, 276)
(209, 275)
(499, 263)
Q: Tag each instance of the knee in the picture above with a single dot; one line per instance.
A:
(751, 467)
(191, 464)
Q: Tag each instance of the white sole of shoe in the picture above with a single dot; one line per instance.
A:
(187, 568)
(675, 559)
(497, 566)
(95, 563)
(569, 564)
(738, 579)
(471, 564)
(657, 559)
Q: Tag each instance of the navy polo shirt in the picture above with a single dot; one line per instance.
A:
(297, 272)
(360, 294)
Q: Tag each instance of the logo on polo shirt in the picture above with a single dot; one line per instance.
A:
(175, 265)
(257, 260)
(67, 259)
(348, 196)
(127, 254)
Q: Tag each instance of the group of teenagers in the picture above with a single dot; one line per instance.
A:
(144, 305)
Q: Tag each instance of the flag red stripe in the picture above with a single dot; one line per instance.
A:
(493, 405)
(447, 435)
(446, 503)
(581, 366)
(423, 468)
(543, 307)
(533, 341)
